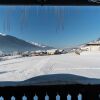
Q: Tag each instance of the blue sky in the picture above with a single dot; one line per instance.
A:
(60, 27)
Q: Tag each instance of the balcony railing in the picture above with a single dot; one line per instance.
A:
(53, 92)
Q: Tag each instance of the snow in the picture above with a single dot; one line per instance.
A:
(37, 44)
(10, 57)
(21, 69)
(2, 34)
(96, 53)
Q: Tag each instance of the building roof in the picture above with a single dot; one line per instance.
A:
(96, 42)
(93, 44)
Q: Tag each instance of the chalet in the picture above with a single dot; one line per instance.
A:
(92, 46)
(51, 52)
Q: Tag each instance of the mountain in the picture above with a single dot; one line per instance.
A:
(10, 43)
(44, 47)
(37, 44)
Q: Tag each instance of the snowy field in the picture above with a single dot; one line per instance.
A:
(21, 69)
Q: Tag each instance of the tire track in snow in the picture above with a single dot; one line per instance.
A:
(37, 69)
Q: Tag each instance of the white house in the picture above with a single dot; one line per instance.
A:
(92, 46)
(51, 51)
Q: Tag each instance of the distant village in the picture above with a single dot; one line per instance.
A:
(43, 52)
(93, 46)
(34, 53)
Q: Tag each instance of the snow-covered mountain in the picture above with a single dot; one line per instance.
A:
(44, 47)
(37, 44)
(10, 43)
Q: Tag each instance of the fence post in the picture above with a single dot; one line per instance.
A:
(13, 98)
(35, 97)
(68, 97)
(79, 97)
(58, 97)
(46, 97)
(24, 98)
(1, 98)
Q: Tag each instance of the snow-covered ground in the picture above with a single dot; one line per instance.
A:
(28, 67)
(10, 57)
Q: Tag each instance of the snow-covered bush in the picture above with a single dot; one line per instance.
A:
(26, 54)
(78, 51)
(57, 52)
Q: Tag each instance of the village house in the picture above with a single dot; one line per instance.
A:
(51, 52)
(54, 51)
(92, 46)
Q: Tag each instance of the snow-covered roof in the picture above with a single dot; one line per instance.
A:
(96, 42)
(93, 44)
(51, 50)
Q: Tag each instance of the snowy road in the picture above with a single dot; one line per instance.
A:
(24, 68)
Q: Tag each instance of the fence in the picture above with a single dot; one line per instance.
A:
(57, 92)
(68, 97)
